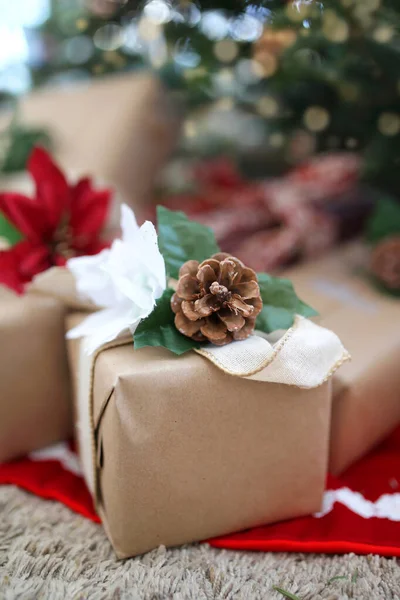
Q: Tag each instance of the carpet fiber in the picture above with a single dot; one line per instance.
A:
(47, 552)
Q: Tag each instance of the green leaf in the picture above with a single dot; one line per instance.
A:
(285, 593)
(22, 142)
(159, 329)
(384, 221)
(280, 304)
(336, 578)
(181, 239)
(8, 231)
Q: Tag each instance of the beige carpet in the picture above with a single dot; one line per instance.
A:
(47, 552)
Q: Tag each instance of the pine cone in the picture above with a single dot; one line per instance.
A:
(385, 263)
(217, 300)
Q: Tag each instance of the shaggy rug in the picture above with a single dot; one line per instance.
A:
(48, 552)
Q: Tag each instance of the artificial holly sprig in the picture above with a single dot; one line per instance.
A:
(181, 241)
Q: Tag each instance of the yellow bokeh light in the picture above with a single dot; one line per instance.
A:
(190, 129)
(265, 64)
(267, 106)
(389, 124)
(276, 140)
(297, 11)
(316, 118)
(383, 34)
(81, 24)
(226, 50)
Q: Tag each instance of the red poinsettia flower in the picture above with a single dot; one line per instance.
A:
(10, 275)
(62, 220)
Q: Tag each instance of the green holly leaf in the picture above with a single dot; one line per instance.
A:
(285, 593)
(159, 329)
(280, 304)
(181, 239)
(384, 221)
(8, 231)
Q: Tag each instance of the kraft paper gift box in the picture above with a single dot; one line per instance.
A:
(35, 409)
(366, 403)
(176, 450)
(120, 129)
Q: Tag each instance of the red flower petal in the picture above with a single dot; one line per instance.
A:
(89, 211)
(27, 216)
(9, 273)
(59, 260)
(33, 259)
(21, 263)
(52, 190)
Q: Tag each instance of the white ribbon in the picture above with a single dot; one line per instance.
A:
(305, 356)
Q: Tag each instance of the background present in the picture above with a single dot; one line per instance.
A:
(366, 403)
(35, 407)
(117, 129)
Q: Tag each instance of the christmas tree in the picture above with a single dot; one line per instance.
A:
(269, 82)
(336, 78)
(316, 76)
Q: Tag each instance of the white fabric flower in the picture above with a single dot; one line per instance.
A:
(125, 281)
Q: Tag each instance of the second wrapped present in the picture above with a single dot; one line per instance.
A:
(34, 384)
(366, 393)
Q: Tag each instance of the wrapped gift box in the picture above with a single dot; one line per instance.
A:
(366, 405)
(182, 451)
(35, 406)
(119, 129)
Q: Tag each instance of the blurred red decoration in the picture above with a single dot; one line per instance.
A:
(62, 220)
(268, 224)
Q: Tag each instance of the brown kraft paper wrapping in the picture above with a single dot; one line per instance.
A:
(366, 404)
(185, 452)
(126, 126)
(34, 383)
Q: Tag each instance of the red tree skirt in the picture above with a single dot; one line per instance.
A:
(361, 510)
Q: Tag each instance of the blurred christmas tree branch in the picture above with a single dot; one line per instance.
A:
(17, 140)
(301, 76)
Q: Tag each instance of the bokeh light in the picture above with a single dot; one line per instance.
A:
(109, 37)
(184, 54)
(245, 28)
(158, 11)
(187, 13)
(214, 24)
(78, 50)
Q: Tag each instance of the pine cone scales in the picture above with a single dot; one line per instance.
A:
(217, 300)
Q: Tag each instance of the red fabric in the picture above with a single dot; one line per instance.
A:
(53, 474)
(60, 221)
